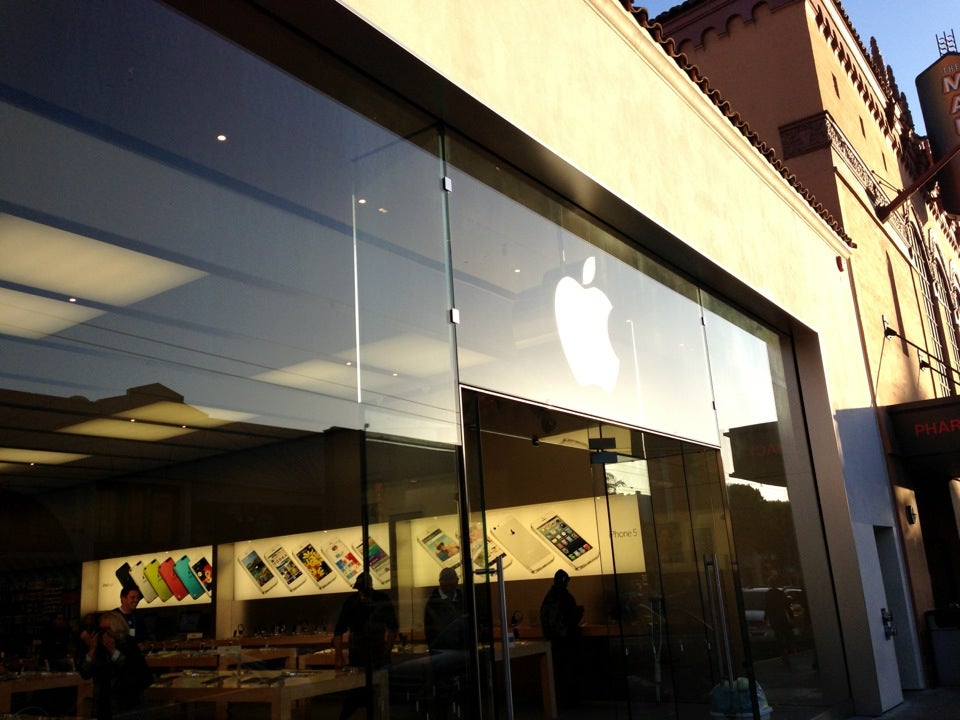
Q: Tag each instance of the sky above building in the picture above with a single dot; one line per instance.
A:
(906, 31)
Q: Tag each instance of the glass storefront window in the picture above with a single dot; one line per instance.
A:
(283, 261)
(767, 467)
(215, 280)
(547, 315)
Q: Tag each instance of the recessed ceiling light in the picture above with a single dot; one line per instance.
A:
(382, 210)
(362, 201)
(72, 300)
(125, 430)
(221, 138)
(516, 270)
(22, 456)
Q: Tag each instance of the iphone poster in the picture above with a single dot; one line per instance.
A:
(183, 576)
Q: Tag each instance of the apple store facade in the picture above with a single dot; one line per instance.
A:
(260, 312)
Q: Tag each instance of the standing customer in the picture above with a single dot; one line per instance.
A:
(779, 617)
(369, 620)
(560, 622)
(443, 623)
(115, 664)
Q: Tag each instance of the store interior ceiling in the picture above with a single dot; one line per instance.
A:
(51, 443)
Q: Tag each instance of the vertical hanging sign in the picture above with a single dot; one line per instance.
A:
(939, 89)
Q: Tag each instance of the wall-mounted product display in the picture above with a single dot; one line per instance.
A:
(532, 540)
(326, 561)
(485, 552)
(521, 543)
(183, 576)
(578, 536)
(440, 546)
(378, 560)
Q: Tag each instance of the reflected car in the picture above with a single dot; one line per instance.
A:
(754, 604)
(755, 601)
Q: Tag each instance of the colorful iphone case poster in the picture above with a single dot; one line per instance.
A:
(189, 570)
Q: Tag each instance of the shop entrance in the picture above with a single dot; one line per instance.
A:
(637, 522)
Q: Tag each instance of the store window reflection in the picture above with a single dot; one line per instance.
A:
(414, 543)
(553, 317)
(196, 334)
(766, 464)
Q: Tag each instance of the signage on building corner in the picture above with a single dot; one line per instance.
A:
(927, 428)
(939, 90)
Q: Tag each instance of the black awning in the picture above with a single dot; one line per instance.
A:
(927, 433)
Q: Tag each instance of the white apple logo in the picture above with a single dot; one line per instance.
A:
(582, 314)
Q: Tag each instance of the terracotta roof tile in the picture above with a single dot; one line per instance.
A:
(655, 30)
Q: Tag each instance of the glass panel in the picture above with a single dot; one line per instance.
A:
(188, 282)
(628, 516)
(412, 532)
(693, 643)
(406, 349)
(224, 269)
(545, 515)
(547, 315)
(767, 465)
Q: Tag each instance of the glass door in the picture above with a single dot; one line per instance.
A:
(676, 576)
(631, 529)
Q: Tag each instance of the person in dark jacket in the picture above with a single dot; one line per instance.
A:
(117, 667)
(443, 624)
(369, 621)
(778, 615)
(445, 630)
(560, 623)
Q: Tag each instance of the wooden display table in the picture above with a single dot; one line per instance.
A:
(231, 657)
(319, 659)
(280, 689)
(540, 650)
(11, 685)
(222, 658)
(313, 640)
(166, 661)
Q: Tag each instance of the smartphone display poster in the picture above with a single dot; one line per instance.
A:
(441, 547)
(521, 544)
(162, 576)
(566, 541)
(343, 558)
(575, 535)
(256, 570)
(290, 575)
(169, 575)
(484, 550)
(377, 560)
(316, 567)
(185, 572)
(325, 561)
